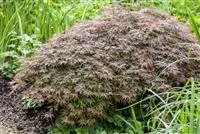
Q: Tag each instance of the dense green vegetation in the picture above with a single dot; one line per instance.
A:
(25, 25)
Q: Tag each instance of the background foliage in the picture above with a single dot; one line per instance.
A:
(26, 24)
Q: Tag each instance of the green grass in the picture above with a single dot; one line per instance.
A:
(25, 25)
(174, 112)
(194, 25)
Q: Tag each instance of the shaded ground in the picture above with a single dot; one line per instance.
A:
(15, 120)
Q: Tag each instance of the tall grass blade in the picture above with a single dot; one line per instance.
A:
(194, 25)
(137, 124)
(192, 106)
(128, 123)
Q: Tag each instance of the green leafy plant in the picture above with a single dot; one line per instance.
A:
(58, 128)
(29, 103)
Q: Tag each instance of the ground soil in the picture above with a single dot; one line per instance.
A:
(14, 119)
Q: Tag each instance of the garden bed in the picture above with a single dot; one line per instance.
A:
(14, 119)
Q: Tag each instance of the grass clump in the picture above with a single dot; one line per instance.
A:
(175, 111)
(99, 65)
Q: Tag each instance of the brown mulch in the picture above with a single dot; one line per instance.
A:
(13, 118)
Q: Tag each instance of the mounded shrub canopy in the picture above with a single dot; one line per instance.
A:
(95, 65)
